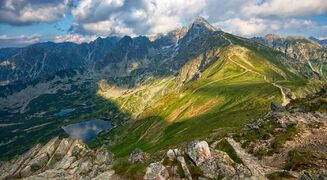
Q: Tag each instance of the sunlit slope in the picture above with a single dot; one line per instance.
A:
(238, 86)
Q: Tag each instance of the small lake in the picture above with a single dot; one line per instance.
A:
(87, 130)
(65, 112)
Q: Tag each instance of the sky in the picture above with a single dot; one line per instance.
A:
(24, 22)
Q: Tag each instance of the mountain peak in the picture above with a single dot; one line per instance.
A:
(201, 22)
(272, 36)
(200, 19)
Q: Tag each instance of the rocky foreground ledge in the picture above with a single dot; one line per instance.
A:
(60, 159)
(72, 159)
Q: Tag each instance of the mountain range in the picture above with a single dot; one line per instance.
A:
(197, 82)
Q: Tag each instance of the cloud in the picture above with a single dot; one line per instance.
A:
(285, 8)
(76, 38)
(253, 26)
(261, 26)
(90, 18)
(121, 17)
(107, 27)
(299, 23)
(18, 41)
(23, 12)
(322, 38)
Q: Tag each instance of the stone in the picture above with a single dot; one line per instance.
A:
(242, 172)
(156, 171)
(103, 156)
(61, 151)
(276, 107)
(137, 157)
(324, 89)
(34, 165)
(198, 151)
(219, 164)
(318, 175)
(213, 163)
(186, 171)
(173, 153)
(108, 175)
(61, 159)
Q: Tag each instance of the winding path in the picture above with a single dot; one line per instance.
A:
(286, 100)
(250, 161)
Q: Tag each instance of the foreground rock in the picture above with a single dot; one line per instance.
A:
(137, 157)
(60, 159)
(197, 161)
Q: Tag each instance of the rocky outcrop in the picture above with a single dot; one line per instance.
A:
(60, 159)
(197, 161)
(156, 171)
(137, 157)
(322, 174)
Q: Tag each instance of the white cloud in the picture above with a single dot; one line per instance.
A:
(104, 28)
(18, 12)
(166, 15)
(249, 27)
(76, 38)
(261, 26)
(88, 10)
(18, 41)
(112, 17)
(285, 8)
(299, 23)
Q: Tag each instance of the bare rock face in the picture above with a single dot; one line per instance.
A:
(213, 163)
(198, 161)
(103, 156)
(199, 152)
(60, 159)
(276, 107)
(137, 157)
(156, 171)
(322, 174)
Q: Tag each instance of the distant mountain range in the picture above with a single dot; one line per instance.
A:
(310, 53)
(323, 42)
(127, 57)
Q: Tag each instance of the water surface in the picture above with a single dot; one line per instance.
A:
(87, 130)
(65, 112)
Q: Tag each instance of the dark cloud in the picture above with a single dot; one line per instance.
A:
(23, 12)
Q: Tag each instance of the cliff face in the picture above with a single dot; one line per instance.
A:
(60, 159)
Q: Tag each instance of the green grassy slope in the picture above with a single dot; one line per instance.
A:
(237, 87)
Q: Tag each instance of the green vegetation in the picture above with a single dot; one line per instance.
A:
(265, 132)
(313, 104)
(280, 175)
(39, 123)
(301, 160)
(236, 86)
(128, 170)
(222, 101)
(223, 145)
(280, 139)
